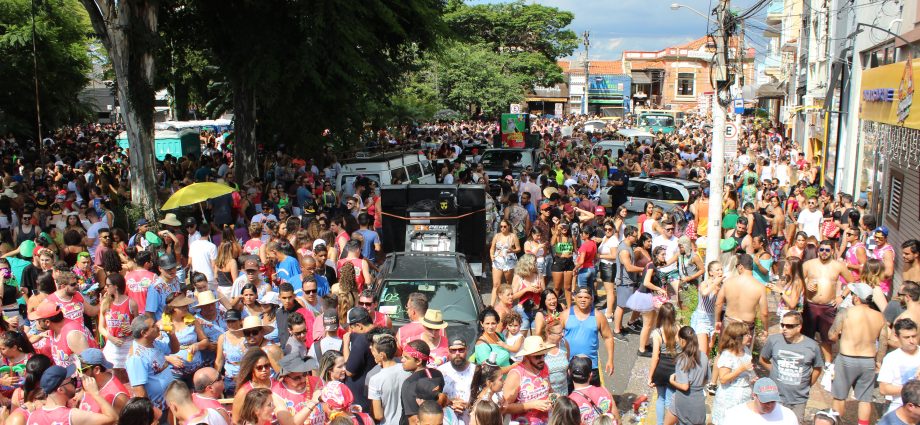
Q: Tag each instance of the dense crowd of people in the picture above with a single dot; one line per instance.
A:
(260, 307)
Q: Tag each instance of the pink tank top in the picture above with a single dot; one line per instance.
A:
(878, 254)
(532, 387)
(109, 392)
(137, 283)
(58, 416)
(60, 351)
(852, 259)
(73, 309)
(118, 319)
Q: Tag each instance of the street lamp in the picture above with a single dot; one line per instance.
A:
(676, 6)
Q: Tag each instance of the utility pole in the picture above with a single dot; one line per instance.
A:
(717, 173)
(584, 100)
(38, 111)
(739, 77)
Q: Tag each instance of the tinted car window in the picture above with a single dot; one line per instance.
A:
(415, 171)
(653, 191)
(635, 189)
(496, 159)
(348, 182)
(672, 194)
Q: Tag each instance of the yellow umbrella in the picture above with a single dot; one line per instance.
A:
(195, 193)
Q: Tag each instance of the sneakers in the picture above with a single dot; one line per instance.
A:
(635, 326)
(620, 336)
(646, 353)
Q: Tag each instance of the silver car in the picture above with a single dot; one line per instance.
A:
(665, 192)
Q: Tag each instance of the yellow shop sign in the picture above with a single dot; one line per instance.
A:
(888, 95)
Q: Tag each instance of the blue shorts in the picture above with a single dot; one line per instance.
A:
(526, 318)
(703, 323)
(586, 277)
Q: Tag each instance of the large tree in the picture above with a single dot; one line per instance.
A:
(533, 36)
(62, 61)
(128, 30)
(475, 79)
(300, 67)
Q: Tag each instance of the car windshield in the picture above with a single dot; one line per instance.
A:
(658, 121)
(453, 297)
(496, 159)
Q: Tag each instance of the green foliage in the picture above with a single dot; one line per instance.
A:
(474, 77)
(532, 35)
(61, 29)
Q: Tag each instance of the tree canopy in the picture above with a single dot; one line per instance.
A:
(61, 29)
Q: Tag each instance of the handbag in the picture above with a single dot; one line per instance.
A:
(663, 371)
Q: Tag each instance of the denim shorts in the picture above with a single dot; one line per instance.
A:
(526, 318)
(586, 277)
(703, 323)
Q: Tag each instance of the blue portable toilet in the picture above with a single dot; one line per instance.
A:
(176, 143)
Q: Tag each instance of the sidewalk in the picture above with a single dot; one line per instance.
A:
(820, 399)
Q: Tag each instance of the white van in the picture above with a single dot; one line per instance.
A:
(385, 169)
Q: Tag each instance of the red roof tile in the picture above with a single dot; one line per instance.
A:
(596, 67)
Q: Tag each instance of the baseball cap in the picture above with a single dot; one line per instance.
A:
(94, 357)
(293, 363)
(330, 320)
(881, 229)
(234, 315)
(600, 211)
(54, 376)
(457, 343)
(580, 367)
(546, 206)
(427, 388)
(358, 315)
(251, 264)
(569, 209)
(766, 390)
(141, 222)
(45, 311)
(861, 290)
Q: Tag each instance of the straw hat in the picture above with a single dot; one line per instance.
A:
(182, 301)
(549, 191)
(171, 220)
(534, 345)
(434, 319)
(253, 322)
(205, 298)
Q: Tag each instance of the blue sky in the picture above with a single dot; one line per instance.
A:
(618, 25)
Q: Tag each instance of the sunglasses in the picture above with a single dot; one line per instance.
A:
(252, 332)
(824, 250)
(366, 304)
(457, 350)
(609, 229)
(309, 291)
(219, 377)
(668, 229)
(301, 333)
(262, 367)
(789, 325)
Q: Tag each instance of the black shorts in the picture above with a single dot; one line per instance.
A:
(606, 271)
(563, 264)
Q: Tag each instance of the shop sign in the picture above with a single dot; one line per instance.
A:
(888, 95)
(513, 129)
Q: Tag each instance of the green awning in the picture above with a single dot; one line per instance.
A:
(606, 101)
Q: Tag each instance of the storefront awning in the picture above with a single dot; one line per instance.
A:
(605, 101)
(640, 77)
(772, 90)
(547, 99)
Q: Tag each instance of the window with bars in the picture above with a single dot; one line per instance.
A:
(685, 83)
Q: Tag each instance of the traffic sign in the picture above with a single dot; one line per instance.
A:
(731, 132)
(739, 105)
(515, 108)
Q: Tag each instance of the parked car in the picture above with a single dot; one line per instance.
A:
(665, 192)
(445, 278)
(614, 146)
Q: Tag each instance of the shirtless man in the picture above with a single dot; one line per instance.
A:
(910, 251)
(741, 235)
(821, 297)
(863, 337)
(911, 311)
(743, 296)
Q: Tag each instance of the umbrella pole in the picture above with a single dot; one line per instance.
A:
(204, 218)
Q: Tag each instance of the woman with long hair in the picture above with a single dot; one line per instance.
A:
(565, 412)
(563, 244)
(346, 291)
(503, 253)
(536, 246)
(691, 371)
(873, 273)
(491, 341)
(557, 358)
(647, 213)
(664, 352)
(703, 318)
(643, 300)
(116, 312)
(227, 268)
(736, 370)
(527, 285)
(258, 408)
(332, 366)
(549, 310)
(28, 397)
(15, 352)
(643, 250)
(607, 254)
(798, 246)
(249, 298)
(486, 384)
(255, 372)
(485, 412)
(792, 290)
(189, 333)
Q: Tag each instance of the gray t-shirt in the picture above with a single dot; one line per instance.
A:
(625, 278)
(792, 366)
(891, 419)
(385, 386)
